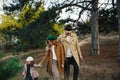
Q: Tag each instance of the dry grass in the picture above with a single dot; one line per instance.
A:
(97, 67)
(103, 66)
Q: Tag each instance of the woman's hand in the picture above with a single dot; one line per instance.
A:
(62, 66)
(39, 65)
(81, 58)
(47, 48)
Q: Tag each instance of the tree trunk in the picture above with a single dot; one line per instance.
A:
(118, 12)
(94, 28)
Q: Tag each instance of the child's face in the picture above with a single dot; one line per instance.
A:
(28, 62)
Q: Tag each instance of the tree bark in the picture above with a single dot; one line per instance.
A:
(94, 29)
(118, 12)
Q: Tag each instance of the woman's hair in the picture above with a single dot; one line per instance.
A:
(47, 43)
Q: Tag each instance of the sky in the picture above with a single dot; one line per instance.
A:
(1, 3)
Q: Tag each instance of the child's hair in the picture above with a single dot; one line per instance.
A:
(32, 64)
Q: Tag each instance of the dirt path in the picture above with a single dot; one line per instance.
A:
(20, 54)
(102, 38)
(82, 43)
(6, 57)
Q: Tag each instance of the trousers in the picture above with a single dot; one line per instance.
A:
(68, 62)
(55, 72)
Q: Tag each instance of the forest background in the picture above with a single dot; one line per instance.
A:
(25, 25)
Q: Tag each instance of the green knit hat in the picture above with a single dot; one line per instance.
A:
(51, 37)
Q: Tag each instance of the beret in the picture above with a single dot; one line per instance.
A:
(29, 58)
(51, 37)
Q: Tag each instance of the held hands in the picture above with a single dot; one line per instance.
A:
(39, 65)
(23, 74)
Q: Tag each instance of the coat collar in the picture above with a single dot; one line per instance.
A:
(65, 37)
(72, 35)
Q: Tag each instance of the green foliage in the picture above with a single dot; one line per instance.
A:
(8, 46)
(9, 68)
(28, 15)
(20, 47)
(9, 22)
(36, 24)
(2, 39)
(58, 28)
(35, 33)
(1, 54)
(83, 28)
(108, 20)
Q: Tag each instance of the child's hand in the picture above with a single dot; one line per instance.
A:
(23, 74)
(39, 65)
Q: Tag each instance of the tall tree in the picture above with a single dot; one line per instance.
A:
(94, 28)
(118, 12)
(108, 20)
(84, 5)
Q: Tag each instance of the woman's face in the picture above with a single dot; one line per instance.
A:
(52, 42)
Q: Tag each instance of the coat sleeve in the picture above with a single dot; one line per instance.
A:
(78, 46)
(45, 57)
(24, 71)
(62, 54)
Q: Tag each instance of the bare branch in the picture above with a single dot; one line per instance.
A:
(106, 4)
(70, 5)
(82, 11)
(113, 4)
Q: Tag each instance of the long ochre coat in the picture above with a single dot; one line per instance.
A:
(59, 50)
(73, 45)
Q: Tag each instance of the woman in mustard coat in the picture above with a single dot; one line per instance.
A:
(55, 55)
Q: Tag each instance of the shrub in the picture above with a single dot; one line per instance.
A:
(9, 68)
(1, 54)
(20, 47)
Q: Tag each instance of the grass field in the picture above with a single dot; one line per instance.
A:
(103, 66)
(94, 67)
